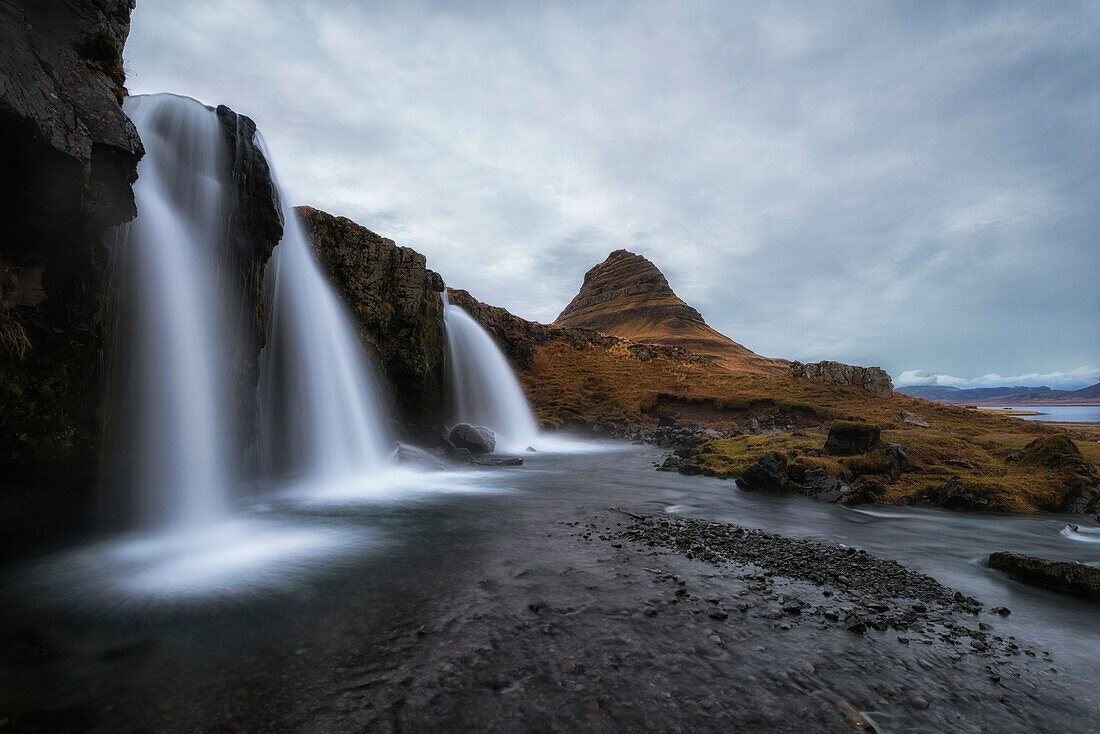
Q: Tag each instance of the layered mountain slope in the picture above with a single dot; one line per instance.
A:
(627, 296)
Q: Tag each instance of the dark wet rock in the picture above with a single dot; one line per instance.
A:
(955, 496)
(497, 461)
(665, 421)
(872, 379)
(826, 488)
(673, 463)
(396, 303)
(767, 475)
(476, 439)
(1073, 578)
(1084, 500)
(864, 493)
(461, 456)
(418, 457)
(68, 159)
(848, 438)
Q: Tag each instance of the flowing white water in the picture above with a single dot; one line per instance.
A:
(170, 364)
(320, 414)
(481, 384)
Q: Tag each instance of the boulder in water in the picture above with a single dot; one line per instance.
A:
(1074, 578)
(847, 438)
(476, 439)
(417, 457)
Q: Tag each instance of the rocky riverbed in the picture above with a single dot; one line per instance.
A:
(585, 618)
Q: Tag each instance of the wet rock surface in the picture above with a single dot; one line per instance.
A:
(475, 439)
(68, 157)
(396, 302)
(600, 620)
(1073, 578)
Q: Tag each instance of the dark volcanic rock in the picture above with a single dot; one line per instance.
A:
(847, 438)
(254, 226)
(476, 439)
(1060, 454)
(396, 301)
(1075, 578)
(767, 475)
(68, 157)
(954, 496)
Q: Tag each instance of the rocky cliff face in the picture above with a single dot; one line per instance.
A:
(627, 296)
(254, 226)
(68, 157)
(872, 379)
(396, 301)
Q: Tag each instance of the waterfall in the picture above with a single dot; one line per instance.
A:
(320, 414)
(169, 366)
(481, 384)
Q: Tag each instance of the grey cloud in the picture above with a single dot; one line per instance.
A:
(912, 185)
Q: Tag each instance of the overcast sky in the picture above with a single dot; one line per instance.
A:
(911, 185)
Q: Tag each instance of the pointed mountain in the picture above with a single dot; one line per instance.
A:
(626, 295)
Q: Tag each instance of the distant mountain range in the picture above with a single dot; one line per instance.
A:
(1018, 395)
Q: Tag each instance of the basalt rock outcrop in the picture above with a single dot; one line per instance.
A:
(68, 158)
(396, 303)
(627, 295)
(254, 226)
(872, 379)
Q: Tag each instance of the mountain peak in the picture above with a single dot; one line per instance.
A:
(627, 295)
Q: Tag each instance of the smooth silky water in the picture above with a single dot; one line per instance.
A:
(483, 390)
(222, 563)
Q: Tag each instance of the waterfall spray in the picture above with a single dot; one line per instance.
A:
(481, 384)
(170, 349)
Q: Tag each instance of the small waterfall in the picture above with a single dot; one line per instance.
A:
(170, 347)
(320, 414)
(481, 384)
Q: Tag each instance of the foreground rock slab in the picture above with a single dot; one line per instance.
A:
(1073, 578)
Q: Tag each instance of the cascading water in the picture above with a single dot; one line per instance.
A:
(320, 414)
(170, 349)
(481, 384)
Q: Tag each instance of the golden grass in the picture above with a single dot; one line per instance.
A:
(609, 386)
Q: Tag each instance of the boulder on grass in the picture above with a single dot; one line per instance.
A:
(476, 439)
(847, 438)
(767, 475)
(1074, 578)
(898, 458)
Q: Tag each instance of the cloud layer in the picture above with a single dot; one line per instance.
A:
(1078, 378)
(910, 184)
